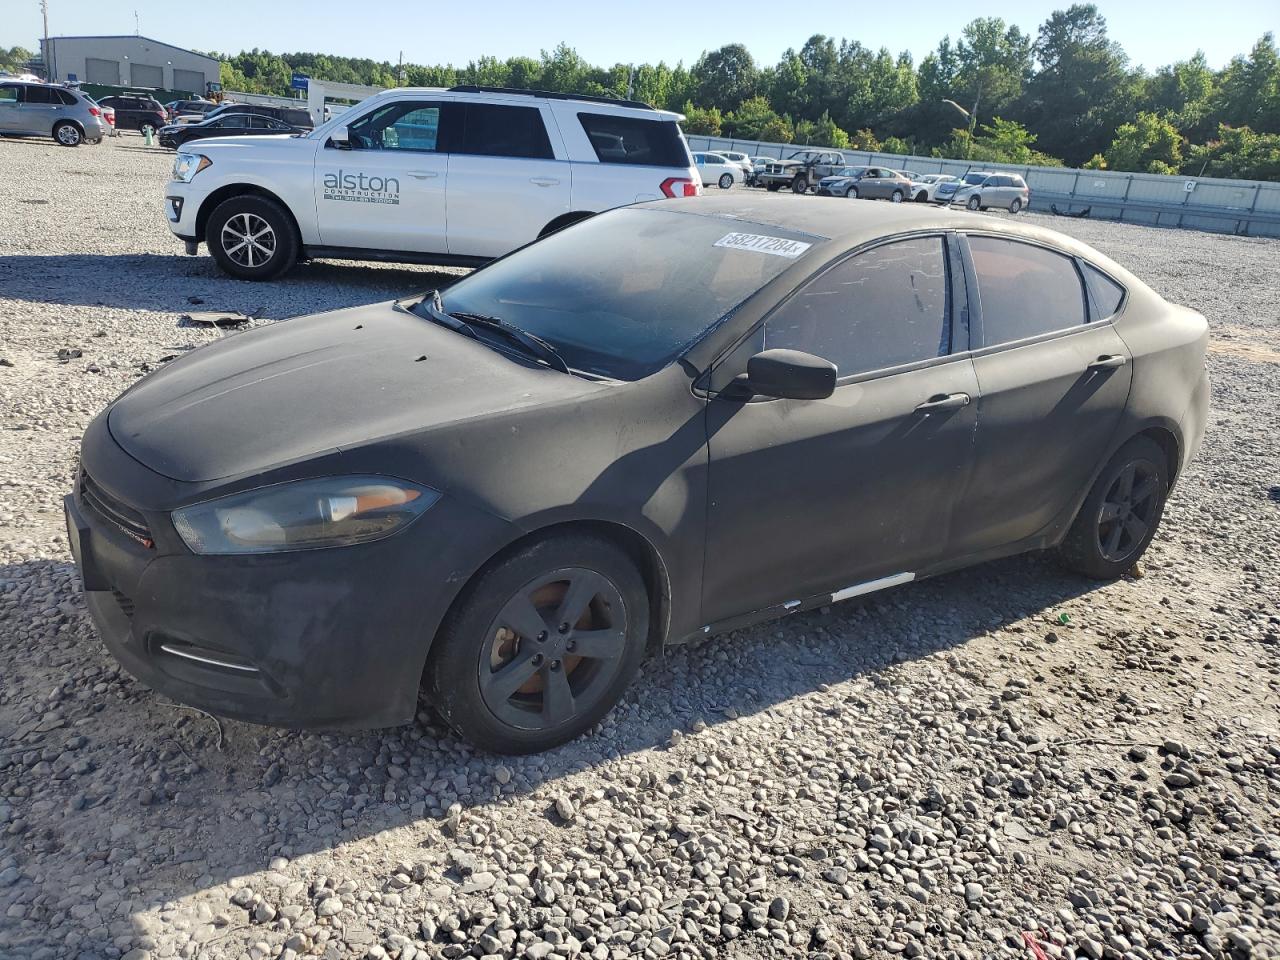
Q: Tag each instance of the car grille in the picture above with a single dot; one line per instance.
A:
(775, 168)
(121, 516)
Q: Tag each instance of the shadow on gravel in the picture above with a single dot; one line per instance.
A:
(180, 802)
(163, 284)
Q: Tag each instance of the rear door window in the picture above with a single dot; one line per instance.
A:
(500, 130)
(40, 95)
(1025, 290)
(635, 140)
(883, 308)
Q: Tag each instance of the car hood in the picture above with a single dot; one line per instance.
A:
(229, 144)
(319, 384)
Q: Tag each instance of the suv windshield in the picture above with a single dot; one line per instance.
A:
(975, 178)
(625, 293)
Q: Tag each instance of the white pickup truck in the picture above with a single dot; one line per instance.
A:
(450, 177)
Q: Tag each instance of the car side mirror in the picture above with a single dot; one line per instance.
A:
(340, 138)
(791, 375)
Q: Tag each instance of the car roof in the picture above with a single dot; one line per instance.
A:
(512, 96)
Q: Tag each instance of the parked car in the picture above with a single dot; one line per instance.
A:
(802, 171)
(718, 169)
(373, 182)
(49, 110)
(741, 159)
(136, 113)
(868, 183)
(922, 187)
(188, 108)
(294, 116)
(909, 174)
(306, 523)
(225, 125)
(757, 167)
(1006, 190)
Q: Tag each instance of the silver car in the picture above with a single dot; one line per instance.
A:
(48, 110)
(981, 191)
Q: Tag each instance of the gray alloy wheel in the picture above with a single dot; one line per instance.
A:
(68, 134)
(248, 240)
(1016, 205)
(975, 202)
(553, 649)
(852, 193)
(726, 181)
(897, 196)
(1129, 508)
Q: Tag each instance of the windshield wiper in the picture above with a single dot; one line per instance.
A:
(532, 344)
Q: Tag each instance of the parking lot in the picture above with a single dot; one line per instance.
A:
(964, 767)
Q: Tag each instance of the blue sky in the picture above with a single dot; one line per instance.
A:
(439, 32)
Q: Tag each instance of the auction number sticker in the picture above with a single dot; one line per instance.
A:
(774, 246)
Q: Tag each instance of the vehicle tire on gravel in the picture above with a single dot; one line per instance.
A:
(541, 645)
(800, 185)
(897, 196)
(1121, 514)
(252, 237)
(772, 187)
(67, 134)
(922, 197)
(1016, 205)
(852, 193)
(726, 181)
(975, 203)
(147, 127)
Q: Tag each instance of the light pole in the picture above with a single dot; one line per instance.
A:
(971, 117)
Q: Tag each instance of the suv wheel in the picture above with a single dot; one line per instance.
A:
(541, 645)
(147, 129)
(800, 184)
(1016, 205)
(68, 134)
(975, 202)
(252, 238)
(726, 181)
(1120, 515)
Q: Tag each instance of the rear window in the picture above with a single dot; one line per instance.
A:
(1105, 294)
(653, 143)
(1025, 290)
(68, 99)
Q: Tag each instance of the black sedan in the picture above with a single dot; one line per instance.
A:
(225, 125)
(669, 420)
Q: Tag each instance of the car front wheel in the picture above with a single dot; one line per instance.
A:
(68, 134)
(1120, 515)
(726, 181)
(853, 193)
(799, 185)
(975, 202)
(252, 238)
(897, 196)
(541, 645)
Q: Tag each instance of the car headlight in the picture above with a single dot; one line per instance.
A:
(303, 515)
(187, 165)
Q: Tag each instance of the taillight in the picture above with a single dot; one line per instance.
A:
(95, 112)
(680, 187)
(111, 118)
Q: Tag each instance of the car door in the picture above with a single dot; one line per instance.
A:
(507, 180)
(875, 182)
(1053, 389)
(854, 491)
(9, 100)
(38, 110)
(386, 190)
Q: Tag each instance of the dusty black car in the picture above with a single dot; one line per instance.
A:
(666, 421)
(136, 113)
(225, 125)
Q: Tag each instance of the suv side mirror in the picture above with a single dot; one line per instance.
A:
(791, 375)
(340, 138)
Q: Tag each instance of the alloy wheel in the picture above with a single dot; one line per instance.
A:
(68, 135)
(554, 649)
(1128, 510)
(248, 240)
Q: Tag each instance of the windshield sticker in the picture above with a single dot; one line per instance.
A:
(775, 246)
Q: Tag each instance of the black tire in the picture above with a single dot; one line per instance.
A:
(800, 185)
(1121, 514)
(773, 187)
(922, 196)
(1016, 205)
(275, 240)
(147, 126)
(975, 202)
(726, 181)
(67, 134)
(897, 196)
(474, 689)
(852, 193)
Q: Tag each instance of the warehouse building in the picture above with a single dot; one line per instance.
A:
(128, 61)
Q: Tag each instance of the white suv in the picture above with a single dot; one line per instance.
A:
(451, 177)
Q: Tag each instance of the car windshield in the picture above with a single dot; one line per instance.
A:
(975, 178)
(623, 294)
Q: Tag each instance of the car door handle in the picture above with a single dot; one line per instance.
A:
(423, 174)
(952, 401)
(544, 181)
(1109, 363)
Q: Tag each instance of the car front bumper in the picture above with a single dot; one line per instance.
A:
(317, 638)
(181, 209)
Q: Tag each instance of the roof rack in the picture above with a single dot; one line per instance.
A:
(550, 95)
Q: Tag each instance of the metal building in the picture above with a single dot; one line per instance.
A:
(128, 61)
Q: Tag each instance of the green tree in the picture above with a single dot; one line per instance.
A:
(1238, 152)
(1184, 92)
(702, 121)
(15, 59)
(725, 77)
(751, 119)
(1249, 89)
(1150, 144)
(992, 61)
(897, 145)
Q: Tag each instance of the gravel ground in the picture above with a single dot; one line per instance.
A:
(1005, 762)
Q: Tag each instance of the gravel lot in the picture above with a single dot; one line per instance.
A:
(991, 764)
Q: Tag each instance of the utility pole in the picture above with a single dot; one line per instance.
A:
(137, 25)
(400, 71)
(47, 52)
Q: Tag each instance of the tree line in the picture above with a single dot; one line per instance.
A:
(1067, 95)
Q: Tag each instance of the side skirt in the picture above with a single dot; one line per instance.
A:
(393, 256)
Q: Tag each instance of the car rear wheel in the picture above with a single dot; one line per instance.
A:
(541, 645)
(252, 238)
(800, 185)
(897, 196)
(148, 130)
(726, 181)
(1016, 205)
(1119, 517)
(975, 202)
(68, 134)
